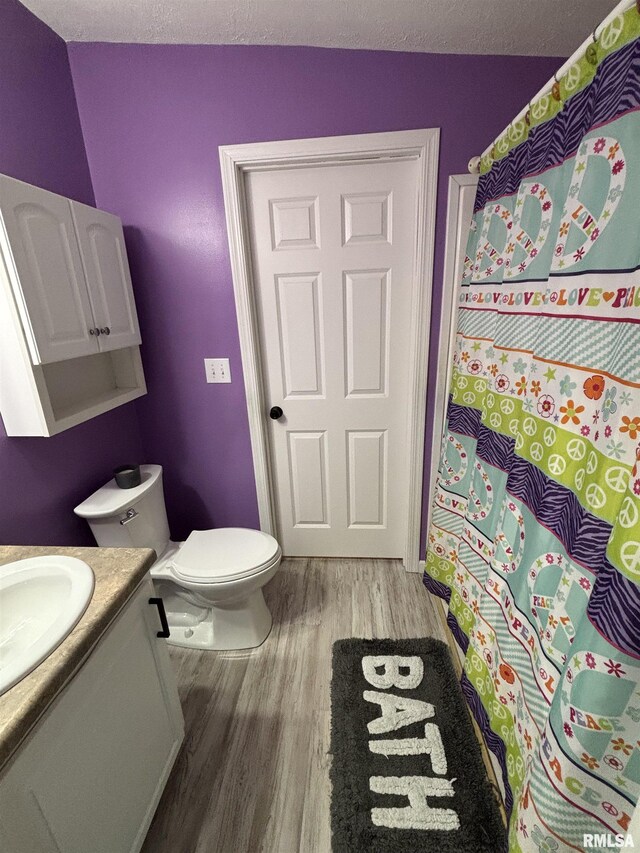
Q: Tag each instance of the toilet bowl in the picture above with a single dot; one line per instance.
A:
(211, 584)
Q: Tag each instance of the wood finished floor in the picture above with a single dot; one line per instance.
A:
(253, 773)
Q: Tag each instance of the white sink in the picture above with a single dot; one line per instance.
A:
(41, 600)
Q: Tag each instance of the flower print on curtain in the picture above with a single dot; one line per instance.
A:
(535, 542)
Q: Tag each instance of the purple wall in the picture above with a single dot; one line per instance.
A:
(42, 479)
(153, 117)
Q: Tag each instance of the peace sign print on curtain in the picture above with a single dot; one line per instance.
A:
(535, 542)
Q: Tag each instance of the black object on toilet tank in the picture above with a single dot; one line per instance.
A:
(127, 476)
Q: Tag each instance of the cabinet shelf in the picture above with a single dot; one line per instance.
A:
(81, 388)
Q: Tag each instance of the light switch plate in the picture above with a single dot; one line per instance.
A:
(217, 369)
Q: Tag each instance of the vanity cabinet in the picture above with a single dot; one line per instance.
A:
(69, 333)
(90, 776)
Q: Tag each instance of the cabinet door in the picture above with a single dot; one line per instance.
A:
(107, 270)
(91, 775)
(42, 258)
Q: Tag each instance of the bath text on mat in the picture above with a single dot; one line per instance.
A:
(385, 672)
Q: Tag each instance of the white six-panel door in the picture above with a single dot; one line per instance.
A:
(333, 251)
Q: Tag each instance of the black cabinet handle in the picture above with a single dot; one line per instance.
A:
(163, 617)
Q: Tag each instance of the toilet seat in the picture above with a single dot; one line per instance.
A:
(224, 554)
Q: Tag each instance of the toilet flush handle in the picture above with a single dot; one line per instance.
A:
(129, 516)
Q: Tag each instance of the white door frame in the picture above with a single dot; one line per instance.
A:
(457, 227)
(235, 162)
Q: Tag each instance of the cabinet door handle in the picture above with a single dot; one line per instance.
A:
(163, 617)
(106, 330)
(95, 331)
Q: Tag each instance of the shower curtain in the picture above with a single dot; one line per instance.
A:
(535, 540)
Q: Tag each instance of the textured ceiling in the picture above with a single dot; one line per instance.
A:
(531, 27)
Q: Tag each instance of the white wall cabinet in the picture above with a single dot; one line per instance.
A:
(69, 328)
(91, 775)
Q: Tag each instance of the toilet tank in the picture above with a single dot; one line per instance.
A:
(129, 518)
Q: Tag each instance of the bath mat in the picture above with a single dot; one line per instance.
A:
(407, 773)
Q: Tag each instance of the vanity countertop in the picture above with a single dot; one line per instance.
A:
(117, 571)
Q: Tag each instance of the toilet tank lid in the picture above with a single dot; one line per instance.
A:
(110, 499)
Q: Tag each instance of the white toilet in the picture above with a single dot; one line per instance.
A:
(211, 584)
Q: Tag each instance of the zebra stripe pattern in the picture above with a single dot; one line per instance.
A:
(614, 608)
(614, 91)
(437, 588)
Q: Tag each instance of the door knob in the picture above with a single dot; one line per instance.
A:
(275, 413)
(95, 331)
(105, 330)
